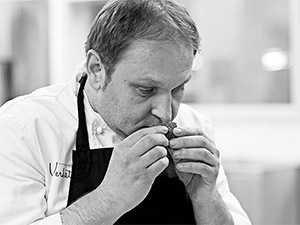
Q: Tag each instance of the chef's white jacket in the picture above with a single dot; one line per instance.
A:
(37, 136)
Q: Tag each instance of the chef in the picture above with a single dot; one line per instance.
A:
(95, 150)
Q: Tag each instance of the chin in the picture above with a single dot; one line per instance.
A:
(126, 133)
(120, 133)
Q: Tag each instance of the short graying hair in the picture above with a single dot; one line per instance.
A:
(120, 22)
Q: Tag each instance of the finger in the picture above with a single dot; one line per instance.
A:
(153, 155)
(194, 142)
(149, 141)
(136, 136)
(191, 131)
(196, 155)
(209, 174)
(157, 167)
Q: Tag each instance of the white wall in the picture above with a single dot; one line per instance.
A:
(260, 141)
(259, 132)
(256, 133)
(69, 23)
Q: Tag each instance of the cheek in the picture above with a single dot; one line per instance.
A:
(138, 111)
(138, 114)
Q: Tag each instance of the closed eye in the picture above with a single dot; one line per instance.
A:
(145, 91)
(178, 92)
(179, 88)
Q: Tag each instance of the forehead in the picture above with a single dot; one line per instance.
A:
(142, 50)
(156, 61)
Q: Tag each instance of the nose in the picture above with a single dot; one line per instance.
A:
(162, 108)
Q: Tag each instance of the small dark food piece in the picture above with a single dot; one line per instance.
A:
(170, 126)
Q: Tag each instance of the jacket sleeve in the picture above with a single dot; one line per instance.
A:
(22, 177)
(238, 214)
(189, 117)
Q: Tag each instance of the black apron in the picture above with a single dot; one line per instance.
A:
(166, 203)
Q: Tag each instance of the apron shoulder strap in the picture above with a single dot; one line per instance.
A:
(82, 140)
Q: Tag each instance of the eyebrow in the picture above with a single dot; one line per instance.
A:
(158, 83)
(150, 80)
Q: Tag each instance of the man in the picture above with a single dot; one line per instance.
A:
(139, 56)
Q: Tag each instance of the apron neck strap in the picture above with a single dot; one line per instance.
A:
(82, 138)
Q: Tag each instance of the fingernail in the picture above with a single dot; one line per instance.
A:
(177, 131)
(179, 166)
(173, 143)
(164, 129)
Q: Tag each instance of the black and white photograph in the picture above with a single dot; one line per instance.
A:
(149, 112)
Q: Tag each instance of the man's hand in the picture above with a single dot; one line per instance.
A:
(197, 162)
(197, 165)
(134, 165)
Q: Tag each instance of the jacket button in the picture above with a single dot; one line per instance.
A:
(99, 130)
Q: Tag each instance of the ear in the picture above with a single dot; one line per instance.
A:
(95, 70)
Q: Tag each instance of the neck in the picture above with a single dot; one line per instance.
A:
(93, 99)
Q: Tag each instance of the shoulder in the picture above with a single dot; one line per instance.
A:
(43, 103)
(42, 123)
(46, 112)
(189, 117)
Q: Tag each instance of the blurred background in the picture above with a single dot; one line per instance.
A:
(247, 80)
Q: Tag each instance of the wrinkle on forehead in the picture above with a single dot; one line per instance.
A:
(170, 49)
(169, 56)
(150, 79)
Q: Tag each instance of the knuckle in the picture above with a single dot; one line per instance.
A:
(126, 162)
(199, 131)
(149, 176)
(206, 169)
(202, 141)
(218, 153)
(142, 132)
(206, 155)
(217, 165)
(149, 138)
(188, 166)
(179, 143)
(216, 172)
(156, 139)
